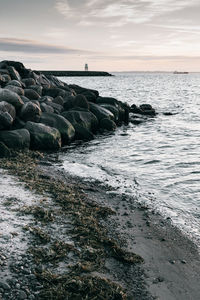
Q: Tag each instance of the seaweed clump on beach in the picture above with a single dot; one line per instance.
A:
(92, 244)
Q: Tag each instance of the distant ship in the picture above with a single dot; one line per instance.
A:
(177, 72)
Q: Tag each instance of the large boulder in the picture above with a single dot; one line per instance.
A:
(7, 107)
(29, 81)
(113, 109)
(13, 73)
(16, 89)
(107, 124)
(43, 137)
(19, 67)
(81, 101)
(57, 107)
(59, 122)
(101, 112)
(31, 94)
(107, 100)
(15, 83)
(6, 120)
(147, 109)
(82, 133)
(81, 90)
(82, 117)
(69, 102)
(45, 108)
(11, 97)
(90, 96)
(53, 92)
(15, 139)
(37, 88)
(30, 112)
(4, 150)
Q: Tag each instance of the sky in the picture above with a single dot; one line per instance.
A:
(109, 35)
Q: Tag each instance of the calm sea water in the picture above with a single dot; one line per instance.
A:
(158, 161)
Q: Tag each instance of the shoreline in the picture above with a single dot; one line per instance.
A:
(171, 265)
(171, 260)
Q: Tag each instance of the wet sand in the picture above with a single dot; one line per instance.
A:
(171, 266)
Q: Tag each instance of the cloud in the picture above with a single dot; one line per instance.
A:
(120, 12)
(29, 46)
(147, 57)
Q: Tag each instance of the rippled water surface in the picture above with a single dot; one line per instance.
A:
(159, 160)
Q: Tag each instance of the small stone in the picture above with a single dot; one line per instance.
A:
(183, 261)
(4, 286)
(172, 262)
(17, 286)
(22, 295)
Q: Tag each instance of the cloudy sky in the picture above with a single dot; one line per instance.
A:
(110, 35)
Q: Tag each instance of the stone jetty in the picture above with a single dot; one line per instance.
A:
(74, 73)
(40, 112)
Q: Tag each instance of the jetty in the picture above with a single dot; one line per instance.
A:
(74, 73)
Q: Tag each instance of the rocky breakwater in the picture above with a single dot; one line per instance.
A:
(43, 113)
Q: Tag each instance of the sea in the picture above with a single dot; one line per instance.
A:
(158, 161)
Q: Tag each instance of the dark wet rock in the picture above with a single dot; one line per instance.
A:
(107, 124)
(69, 102)
(29, 81)
(15, 89)
(6, 78)
(55, 81)
(43, 137)
(107, 100)
(19, 67)
(25, 99)
(45, 99)
(101, 112)
(11, 97)
(81, 101)
(18, 123)
(7, 107)
(82, 133)
(31, 94)
(58, 100)
(113, 109)
(147, 109)
(15, 139)
(46, 108)
(13, 73)
(53, 92)
(4, 150)
(62, 124)
(169, 114)
(4, 71)
(90, 96)
(5, 120)
(4, 286)
(57, 107)
(15, 83)
(30, 112)
(81, 90)
(21, 295)
(135, 109)
(37, 88)
(82, 117)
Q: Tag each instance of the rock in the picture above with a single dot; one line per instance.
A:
(53, 92)
(82, 117)
(4, 150)
(113, 109)
(7, 107)
(15, 139)
(55, 81)
(107, 124)
(4, 286)
(37, 88)
(29, 81)
(147, 109)
(18, 123)
(6, 78)
(46, 108)
(11, 97)
(5, 120)
(57, 107)
(80, 90)
(135, 109)
(15, 83)
(24, 99)
(107, 100)
(30, 112)
(81, 133)
(90, 96)
(100, 112)
(31, 94)
(69, 102)
(19, 67)
(43, 137)
(45, 99)
(58, 100)
(81, 101)
(21, 295)
(59, 122)
(15, 89)
(13, 73)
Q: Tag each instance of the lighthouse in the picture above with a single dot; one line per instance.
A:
(86, 67)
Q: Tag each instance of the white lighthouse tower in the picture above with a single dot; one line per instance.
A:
(86, 67)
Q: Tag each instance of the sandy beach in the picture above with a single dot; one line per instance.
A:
(98, 244)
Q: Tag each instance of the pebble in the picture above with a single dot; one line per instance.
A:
(4, 286)
(22, 295)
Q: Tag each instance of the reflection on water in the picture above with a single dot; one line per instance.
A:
(160, 155)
